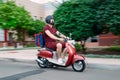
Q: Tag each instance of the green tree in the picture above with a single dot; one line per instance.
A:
(15, 17)
(107, 15)
(38, 27)
(75, 17)
(87, 18)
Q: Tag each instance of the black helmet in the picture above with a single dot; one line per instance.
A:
(48, 18)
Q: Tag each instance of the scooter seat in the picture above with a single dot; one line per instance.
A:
(47, 49)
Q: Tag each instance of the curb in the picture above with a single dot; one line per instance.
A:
(11, 49)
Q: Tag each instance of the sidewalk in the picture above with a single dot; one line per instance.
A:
(30, 55)
(26, 55)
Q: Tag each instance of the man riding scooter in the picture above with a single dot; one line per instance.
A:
(46, 56)
(52, 41)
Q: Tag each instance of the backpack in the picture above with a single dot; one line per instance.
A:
(39, 39)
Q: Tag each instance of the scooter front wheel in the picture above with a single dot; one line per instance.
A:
(79, 65)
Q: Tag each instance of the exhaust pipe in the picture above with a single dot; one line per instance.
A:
(38, 60)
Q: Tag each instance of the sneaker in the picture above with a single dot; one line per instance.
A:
(64, 60)
(60, 60)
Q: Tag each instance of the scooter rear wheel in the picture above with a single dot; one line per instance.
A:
(79, 65)
(43, 60)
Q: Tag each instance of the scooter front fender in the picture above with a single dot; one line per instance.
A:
(78, 57)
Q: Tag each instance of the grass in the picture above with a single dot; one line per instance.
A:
(12, 48)
(104, 52)
(101, 56)
(113, 48)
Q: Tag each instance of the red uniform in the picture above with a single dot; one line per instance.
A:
(49, 42)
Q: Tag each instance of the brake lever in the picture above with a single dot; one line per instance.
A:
(65, 40)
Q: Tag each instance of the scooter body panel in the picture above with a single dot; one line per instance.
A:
(47, 59)
(45, 54)
(71, 52)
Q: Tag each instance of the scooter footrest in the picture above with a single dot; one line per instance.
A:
(55, 61)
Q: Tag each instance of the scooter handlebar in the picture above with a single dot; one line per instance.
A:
(66, 39)
(69, 40)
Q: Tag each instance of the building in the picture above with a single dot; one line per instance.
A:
(108, 39)
(2, 37)
(38, 9)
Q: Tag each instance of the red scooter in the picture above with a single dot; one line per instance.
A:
(48, 58)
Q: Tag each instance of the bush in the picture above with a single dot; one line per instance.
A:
(30, 45)
(78, 47)
(113, 48)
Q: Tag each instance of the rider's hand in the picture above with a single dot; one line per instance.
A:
(60, 39)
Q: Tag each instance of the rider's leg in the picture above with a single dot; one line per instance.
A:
(59, 51)
(64, 52)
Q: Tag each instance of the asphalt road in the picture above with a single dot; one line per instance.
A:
(14, 70)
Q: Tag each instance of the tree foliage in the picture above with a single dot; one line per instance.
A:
(37, 27)
(17, 18)
(107, 14)
(87, 18)
(75, 17)
(14, 17)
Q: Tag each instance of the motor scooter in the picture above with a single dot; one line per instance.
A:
(48, 58)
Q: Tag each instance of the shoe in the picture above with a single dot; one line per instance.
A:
(64, 60)
(60, 60)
